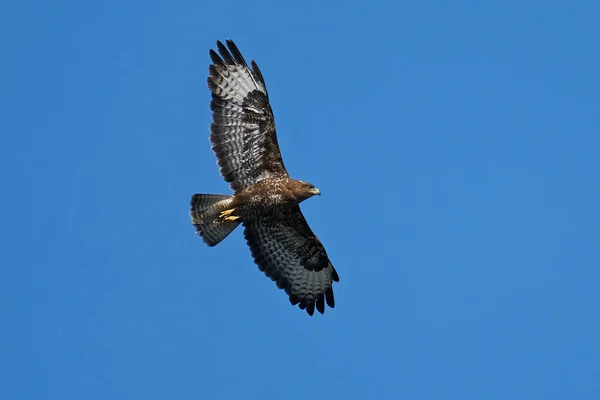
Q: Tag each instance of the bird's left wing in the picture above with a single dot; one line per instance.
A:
(287, 251)
(243, 129)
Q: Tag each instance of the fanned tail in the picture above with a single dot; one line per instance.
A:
(205, 210)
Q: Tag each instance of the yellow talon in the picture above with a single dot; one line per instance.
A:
(227, 213)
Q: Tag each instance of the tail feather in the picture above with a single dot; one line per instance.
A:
(205, 209)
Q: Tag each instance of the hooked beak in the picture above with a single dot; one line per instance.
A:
(316, 191)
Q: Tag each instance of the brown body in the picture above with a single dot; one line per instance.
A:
(268, 196)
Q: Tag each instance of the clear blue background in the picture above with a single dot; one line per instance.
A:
(457, 148)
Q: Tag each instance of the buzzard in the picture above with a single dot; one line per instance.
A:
(265, 198)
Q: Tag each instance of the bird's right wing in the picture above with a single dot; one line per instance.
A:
(243, 129)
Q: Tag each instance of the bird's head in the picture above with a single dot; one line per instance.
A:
(306, 190)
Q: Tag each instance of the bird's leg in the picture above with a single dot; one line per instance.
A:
(226, 215)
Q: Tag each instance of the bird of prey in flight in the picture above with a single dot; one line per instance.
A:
(265, 198)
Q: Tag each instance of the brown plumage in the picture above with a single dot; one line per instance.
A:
(265, 199)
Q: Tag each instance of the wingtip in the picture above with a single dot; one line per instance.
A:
(294, 300)
(310, 308)
(215, 58)
(334, 276)
(320, 303)
(329, 299)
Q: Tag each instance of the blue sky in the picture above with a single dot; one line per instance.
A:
(456, 145)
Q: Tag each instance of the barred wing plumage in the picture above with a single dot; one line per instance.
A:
(243, 133)
(287, 251)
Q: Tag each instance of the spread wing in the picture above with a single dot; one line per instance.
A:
(286, 249)
(243, 129)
